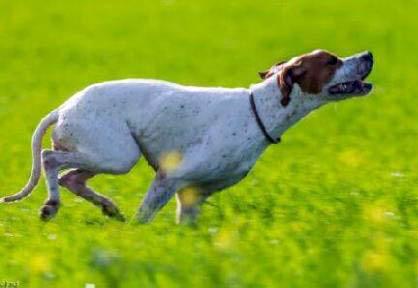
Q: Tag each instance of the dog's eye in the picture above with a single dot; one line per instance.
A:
(332, 61)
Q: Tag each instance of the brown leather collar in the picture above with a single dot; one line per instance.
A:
(260, 123)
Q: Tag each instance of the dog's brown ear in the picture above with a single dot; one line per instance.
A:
(267, 73)
(288, 76)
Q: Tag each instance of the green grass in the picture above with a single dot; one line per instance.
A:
(334, 205)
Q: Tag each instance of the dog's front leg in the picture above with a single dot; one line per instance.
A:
(160, 192)
(188, 206)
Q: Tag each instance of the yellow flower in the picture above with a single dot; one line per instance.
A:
(189, 195)
(225, 239)
(39, 264)
(170, 161)
(379, 213)
(351, 158)
(375, 261)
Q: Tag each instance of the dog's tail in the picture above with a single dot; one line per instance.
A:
(37, 136)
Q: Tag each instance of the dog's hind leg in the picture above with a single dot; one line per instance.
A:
(53, 162)
(75, 181)
(114, 152)
(118, 162)
(51, 168)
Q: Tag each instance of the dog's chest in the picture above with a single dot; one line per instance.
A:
(215, 136)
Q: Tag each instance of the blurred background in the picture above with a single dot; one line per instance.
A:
(334, 205)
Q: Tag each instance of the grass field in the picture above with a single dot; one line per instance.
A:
(334, 205)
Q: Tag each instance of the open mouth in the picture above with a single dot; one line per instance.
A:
(357, 87)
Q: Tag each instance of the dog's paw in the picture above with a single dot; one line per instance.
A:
(109, 209)
(143, 217)
(48, 211)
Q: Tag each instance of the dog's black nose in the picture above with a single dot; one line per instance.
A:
(367, 56)
(366, 64)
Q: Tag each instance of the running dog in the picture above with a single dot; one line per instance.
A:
(212, 135)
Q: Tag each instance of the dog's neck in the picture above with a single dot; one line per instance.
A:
(276, 118)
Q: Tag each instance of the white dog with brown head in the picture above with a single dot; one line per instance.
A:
(198, 140)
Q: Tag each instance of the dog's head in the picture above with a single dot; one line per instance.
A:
(323, 74)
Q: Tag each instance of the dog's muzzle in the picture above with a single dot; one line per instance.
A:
(353, 72)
